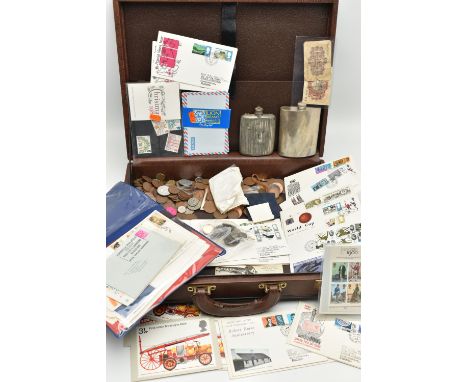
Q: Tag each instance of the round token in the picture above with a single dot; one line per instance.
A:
(207, 229)
(171, 182)
(192, 202)
(236, 213)
(163, 190)
(181, 209)
(156, 183)
(185, 183)
(162, 199)
(200, 186)
(198, 194)
(219, 215)
(160, 176)
(188, 212)
(147, 186)
(198, 179)
(147, 178)
(183, 195)
(209, 207)
(178, 204)
(173, 190)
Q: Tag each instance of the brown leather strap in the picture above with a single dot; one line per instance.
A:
(229, 309)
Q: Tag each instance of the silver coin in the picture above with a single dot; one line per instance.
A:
(198, 179)
(188, 212)
(207, 229)
(182, 209)
(185, 183)
(163, 190)
(194, 208)
(192, 202)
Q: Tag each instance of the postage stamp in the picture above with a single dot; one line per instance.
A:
(340, 271)
(338, 293)
(143, 144)
(173, 142)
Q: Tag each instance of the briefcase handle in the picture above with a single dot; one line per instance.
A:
(201, 298)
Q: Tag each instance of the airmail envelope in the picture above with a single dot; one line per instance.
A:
(193, 62)
(205, 140)
(158, 98)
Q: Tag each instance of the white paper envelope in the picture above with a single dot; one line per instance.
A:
(154, 98)
(192, 62)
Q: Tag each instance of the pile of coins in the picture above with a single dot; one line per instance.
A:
(192, 199)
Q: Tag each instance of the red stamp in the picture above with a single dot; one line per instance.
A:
(142, 234)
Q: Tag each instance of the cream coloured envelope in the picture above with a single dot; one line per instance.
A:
(192, 62)
(159, 98)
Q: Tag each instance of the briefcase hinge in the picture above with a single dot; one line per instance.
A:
(207, 288)
(266, 286)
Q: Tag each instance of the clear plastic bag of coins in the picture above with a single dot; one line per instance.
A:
(160, 176)
(209, 207)
(148, 187)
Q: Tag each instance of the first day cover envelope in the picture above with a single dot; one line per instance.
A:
(164, 349)
(309, 185)
(327, 335)
(193, 62)
(258, 344)
(160, 98)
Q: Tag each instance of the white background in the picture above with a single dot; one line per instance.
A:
(343, 138)
(52, 204)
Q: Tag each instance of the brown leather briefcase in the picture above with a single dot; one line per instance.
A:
(265, 32)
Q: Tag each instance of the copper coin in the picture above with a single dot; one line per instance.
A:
(160, 176)
(198, 194)
(174, 198)
(169, 204)
(209, 207)
(184, 196)
(178, 204)
(147, 178)
(205, 181)
(148, 187)
(200, 186)
(209, 196)
(156, 183)
(249, 181)
(173, 190)
(162, 199)
(171, 182)
(235, 213)
(219, 215)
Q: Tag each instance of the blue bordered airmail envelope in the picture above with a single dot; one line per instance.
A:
(205, 141)
(208, 118)
(160, 99)
(192, 62)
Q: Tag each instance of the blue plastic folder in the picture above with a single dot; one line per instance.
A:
(208, 118)
(126, 206)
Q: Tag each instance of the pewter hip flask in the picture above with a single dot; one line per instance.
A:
(257, 133)
(298, 132)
